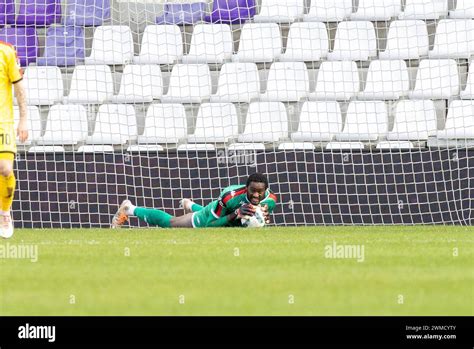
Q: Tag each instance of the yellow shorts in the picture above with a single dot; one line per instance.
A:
(7, 138)
(7, 156)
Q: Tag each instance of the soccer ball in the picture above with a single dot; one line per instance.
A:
(255, 221)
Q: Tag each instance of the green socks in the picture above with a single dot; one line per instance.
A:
(153, 217)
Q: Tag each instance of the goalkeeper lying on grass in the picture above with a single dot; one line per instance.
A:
(234, 203)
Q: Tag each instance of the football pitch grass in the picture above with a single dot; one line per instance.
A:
(376, 270)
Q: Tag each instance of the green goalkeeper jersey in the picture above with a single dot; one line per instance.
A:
(232, 198)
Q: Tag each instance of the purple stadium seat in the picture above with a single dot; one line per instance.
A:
(39, 12)
(87, 12)
(232, 11)
(25, 41)
(7, 12)
(186, 13)
(64, 46)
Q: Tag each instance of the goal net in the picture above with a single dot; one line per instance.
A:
(359, 112)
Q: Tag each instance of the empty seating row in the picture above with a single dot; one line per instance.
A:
(372, 10)
(240, 82)
(116, 124)
(47, 12)
(259, 42)
(407, 39)
(355, 40)
(94, 12)
(288, 11)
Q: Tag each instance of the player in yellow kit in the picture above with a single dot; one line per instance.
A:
(10, 75)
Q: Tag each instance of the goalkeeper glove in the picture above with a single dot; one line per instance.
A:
(244, 211)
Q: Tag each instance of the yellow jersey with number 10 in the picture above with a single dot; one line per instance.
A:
(10, 73)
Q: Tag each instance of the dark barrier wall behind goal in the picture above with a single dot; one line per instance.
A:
(313, 187)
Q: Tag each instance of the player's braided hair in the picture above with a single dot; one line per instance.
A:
(259, 178)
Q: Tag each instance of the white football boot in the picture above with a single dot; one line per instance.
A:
(121, 216)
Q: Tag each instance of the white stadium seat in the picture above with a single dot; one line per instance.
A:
(96, 148)
(114, 124)
(34, 123)
(46, 149)
(43, 85)
(112, 44)
(355, 41)
(424, 9)
(265, 122)
(414, 121)
(164, 123)
(259, 42)
(280, 11)
(189, 83)
(336, 81)
(139, 84)
(454, 39)
(287, 82)
(307, 42)
(238, 82)
(376, 10)
(161, 44)
(319, 122)
(246, 146)
(386, 80)
(464, 9)
(91, 84)
(193, 147)
(365, 121)
(210, 43)
(407, 39)
(468, 92)
(459, 121)
(296, 146)
(215, 123)
(66, 125)
(328, 11)
(436, 79)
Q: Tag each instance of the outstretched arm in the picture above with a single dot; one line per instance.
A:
(221, 222)
(244, 210)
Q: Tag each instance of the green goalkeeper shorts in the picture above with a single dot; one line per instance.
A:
(204, 217)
